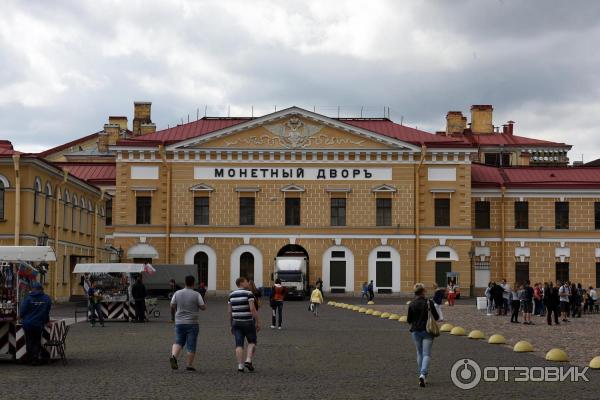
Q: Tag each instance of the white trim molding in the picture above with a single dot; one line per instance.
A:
(325, 272)
(395, 259)
(212, 262)
(235, 264)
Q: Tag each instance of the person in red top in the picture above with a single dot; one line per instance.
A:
(277, 297)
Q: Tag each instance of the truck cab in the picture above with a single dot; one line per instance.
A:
(292, 272)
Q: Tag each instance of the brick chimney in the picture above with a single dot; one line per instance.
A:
(455, 122)
(118, 120)
(141, 115)
(481, 119)
(509, 127)
(113, 132)
(147, 128)
(103, 142)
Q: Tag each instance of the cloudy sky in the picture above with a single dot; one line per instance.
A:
(66, 65)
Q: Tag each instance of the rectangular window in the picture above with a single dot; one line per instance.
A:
(521, 215)
(598, 274)
(384, 254)
(108, 220)
(521, 272)
(338, 212)
(482, 215)
(201, 211)
(143, 210)
(246, 210)
(338, 254)
(442, 212)
(384, 212)
(562, 271)
(497, 159)
(597, 215)
(292, 211)
(561, 214)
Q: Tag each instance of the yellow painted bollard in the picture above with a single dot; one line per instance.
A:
(370, 311)
(523, 347)
(557, 355)
(476, 334)
(385, 315)
(402, 318)
(362, 310)
(446, 303)
(376, 313)
(496, 339)
(446, 327)
(394, 317)
(355, 308)
(595, 363)
(331, 303)
(370, 303)
(458, 331)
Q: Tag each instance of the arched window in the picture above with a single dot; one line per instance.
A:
(90, 217)
(3, 186)
(58, 200)
(74, 213)
(82, 217)
(48, 204)
(66, 201)
(37, 192)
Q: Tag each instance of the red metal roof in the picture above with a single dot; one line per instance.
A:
(496, 139)
(535, 177)
(92, 172)
(207, 125)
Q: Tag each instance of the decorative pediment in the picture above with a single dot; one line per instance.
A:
(384, 189)
(294, 129)
(292, 188)
(201, 187)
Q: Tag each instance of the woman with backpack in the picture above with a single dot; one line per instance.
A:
(277, 297)
(419, 311)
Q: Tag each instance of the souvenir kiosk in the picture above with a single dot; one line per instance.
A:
(114, 280)
(20, 266)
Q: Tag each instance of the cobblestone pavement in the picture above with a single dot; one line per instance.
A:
(339, 355)
(579, 338)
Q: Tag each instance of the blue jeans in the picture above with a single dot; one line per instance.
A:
(186, 335)
(423, 342)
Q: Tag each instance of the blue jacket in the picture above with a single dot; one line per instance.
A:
(35, 310)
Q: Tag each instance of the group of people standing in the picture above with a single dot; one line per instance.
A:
(549, 299)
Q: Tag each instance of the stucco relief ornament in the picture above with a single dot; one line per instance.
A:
(294, 134)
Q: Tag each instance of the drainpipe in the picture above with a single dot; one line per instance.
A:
(417, 267)
(56, 233)
(503, 231)
(16, 158)
(163, 156)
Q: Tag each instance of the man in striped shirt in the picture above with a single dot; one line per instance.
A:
(244, 322)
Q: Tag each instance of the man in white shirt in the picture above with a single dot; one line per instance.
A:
(564, 292)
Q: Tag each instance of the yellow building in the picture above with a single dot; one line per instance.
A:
(43, 204)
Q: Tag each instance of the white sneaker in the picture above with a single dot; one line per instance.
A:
(272, 326)
(422, 380)
(279, 328)
(488, 314)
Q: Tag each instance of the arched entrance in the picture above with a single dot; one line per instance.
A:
(338, 270)
(384, 269)
(242, 264)
(292, 268)
(205, 258)
(201, 262)
(247, 265)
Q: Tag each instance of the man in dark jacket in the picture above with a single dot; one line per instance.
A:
(497, 295)
(371, 291)
(35, 314)
(138, 292)
(418, 312)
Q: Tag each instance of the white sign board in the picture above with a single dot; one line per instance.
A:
(144, 172)
(282, 173)
(441, 174)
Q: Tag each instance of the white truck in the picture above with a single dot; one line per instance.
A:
(293, 273)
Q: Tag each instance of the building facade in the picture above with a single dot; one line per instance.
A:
(42, 204)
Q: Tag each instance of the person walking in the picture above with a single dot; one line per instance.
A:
(515, 304)
(593, 297)
(202, 290)
(438, 298)
(537, 299)
(418, 312)
(187, 304)
(277, 298)
(35, 314)
(451, 293)
(506, 296)
(173, 287)
(564, 292)
(552, 303)
(95, 296)
(138, 292)
(364, 293)
(244, 323)
(319, 284)
(528, 295)
(257, 295)
(578, 298)
(498, 295)
(316, 299)
(489, 298)
(371, 291)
